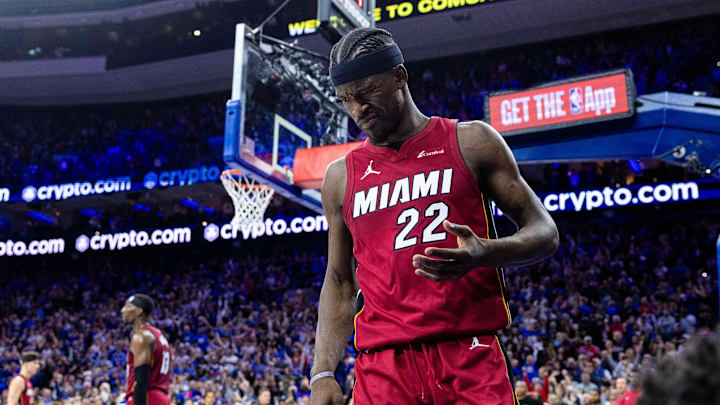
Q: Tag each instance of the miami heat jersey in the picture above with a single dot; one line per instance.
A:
(160, 363)
(26, 398)
(394, 207)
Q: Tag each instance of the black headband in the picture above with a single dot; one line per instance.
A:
(143, 302)
(366, 65)
(29, 357)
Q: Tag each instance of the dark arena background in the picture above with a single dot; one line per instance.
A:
(118, 119)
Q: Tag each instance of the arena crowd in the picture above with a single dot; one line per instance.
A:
(52, 145)
(614, 299)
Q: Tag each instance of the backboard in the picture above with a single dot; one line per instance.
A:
(282, 101)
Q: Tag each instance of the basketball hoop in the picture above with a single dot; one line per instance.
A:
(250, 198)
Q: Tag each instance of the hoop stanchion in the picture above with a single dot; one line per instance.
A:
(250, 198)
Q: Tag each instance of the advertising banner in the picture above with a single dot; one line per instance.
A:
(570, 201)
(577, 101)
(83, 188)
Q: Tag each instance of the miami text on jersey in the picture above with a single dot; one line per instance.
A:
(400, 191)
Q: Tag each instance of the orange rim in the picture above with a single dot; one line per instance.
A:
(235, 172)
(256, 186)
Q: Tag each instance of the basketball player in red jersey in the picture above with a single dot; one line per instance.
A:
(412, 205)
(21, 389)
(148, 361)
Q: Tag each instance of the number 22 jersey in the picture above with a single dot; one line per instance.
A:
(395, 204)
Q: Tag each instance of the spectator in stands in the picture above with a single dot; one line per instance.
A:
(630, 396)
(588, 348)
(621, 386)
(585, 385)
(592, 398)
(264, 396)
(553, 399)
(521, 392)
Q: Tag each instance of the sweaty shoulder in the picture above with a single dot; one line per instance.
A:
(145, 337)
(334, 183)
(481, 146)
(17, 382)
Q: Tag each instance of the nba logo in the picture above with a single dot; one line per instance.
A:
(576, 100)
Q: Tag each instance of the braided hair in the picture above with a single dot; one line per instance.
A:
(358, 42)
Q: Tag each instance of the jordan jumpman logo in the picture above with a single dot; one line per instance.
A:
(476, 343)
(369, 171)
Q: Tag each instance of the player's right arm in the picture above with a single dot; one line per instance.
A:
(141, 348)
(337, 298)
(16, 388)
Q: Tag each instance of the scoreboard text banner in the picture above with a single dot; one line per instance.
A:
(386, 10)
(577, 101)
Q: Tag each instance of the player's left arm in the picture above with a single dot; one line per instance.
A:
(490, 160)
(141, 347)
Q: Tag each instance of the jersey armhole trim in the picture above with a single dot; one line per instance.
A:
(349, 189)
(490, 227)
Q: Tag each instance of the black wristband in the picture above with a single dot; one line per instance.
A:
(142, 381)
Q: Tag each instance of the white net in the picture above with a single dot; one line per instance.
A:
(250, 198)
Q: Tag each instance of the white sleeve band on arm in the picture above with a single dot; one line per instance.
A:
(321, 375)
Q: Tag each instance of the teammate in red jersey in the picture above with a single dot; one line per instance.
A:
(21, 389)
(412, 205)
(148, 361)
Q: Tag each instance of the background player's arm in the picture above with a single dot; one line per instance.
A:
(337, 298)
(493, 165)
(141, 348)
(15, 391)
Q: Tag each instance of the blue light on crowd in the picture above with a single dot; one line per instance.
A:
(635, 166)
(141, 207)
(40, 217)
(190, 204)
(90, 213)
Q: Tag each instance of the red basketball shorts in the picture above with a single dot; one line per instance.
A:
(472, 371)
(154, 397)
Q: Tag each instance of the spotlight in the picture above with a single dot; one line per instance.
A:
(197, 33)
(679, 152)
